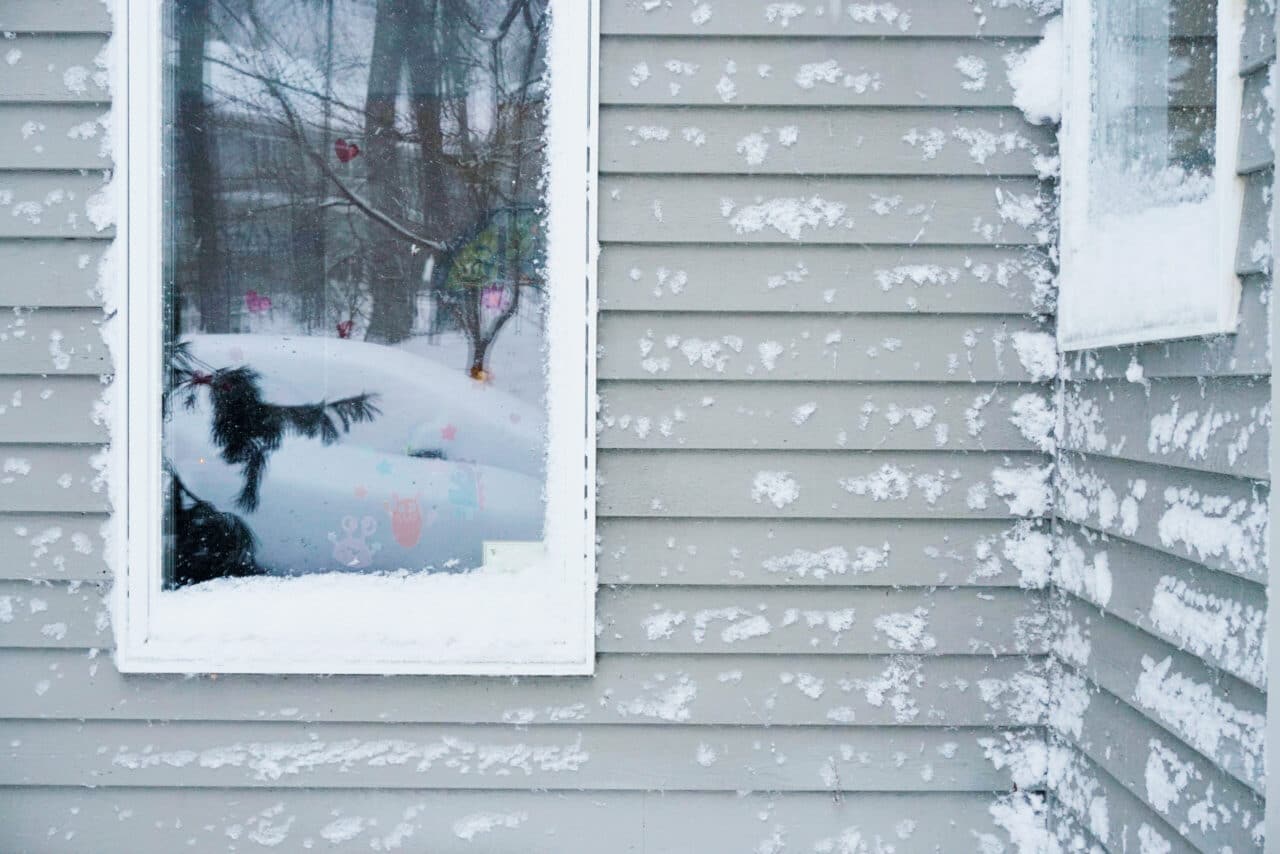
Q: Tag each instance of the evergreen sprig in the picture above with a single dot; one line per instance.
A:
(208, 543)
(249, 429)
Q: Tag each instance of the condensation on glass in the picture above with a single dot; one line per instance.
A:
(354, 289)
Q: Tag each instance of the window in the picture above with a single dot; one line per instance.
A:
(359, 383)
(1151, 201)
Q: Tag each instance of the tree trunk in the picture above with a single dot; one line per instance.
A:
(308, 257)
(479, 355)
(391, 285)
(426, 66)
(310, 251)
(198, 167)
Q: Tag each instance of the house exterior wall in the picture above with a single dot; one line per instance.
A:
(815, 324)
(1178, 436)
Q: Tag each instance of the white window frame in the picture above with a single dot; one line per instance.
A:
(572, 57)
(1074, 148)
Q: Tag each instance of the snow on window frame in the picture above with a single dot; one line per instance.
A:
(540, 623)
(1215, 297)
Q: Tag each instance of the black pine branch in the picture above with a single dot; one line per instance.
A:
(210, 543)
(249, 429)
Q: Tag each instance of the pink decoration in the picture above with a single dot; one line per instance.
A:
(346, 151)
(256, 302)
(495, 298)
(406, 520)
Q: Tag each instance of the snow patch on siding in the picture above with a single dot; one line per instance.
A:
(1035, 75)
(1026, 490)
(779, 488)
(272, 761)
(470, 826)
(791, 217)
(907, 631)
(1200, 714)
(1216, 526)
(1038, 353)
(1232, 632)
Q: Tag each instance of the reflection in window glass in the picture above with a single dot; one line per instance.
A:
(354, 301)
(1153, 111)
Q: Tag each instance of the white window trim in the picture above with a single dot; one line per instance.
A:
(571, 257)
(1074, 140)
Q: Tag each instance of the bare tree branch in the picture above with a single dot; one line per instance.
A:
(344, 189)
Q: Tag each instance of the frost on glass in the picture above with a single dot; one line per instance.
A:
(353, 261)
(1152, 99)
(1141, 257)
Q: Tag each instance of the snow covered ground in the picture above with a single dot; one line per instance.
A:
(448, 464)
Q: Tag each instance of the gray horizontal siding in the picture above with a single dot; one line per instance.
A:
(717, 332)
(378, 756)
(56, 136)
(55, 16)
(756, 18)
(52, 273)
(52, 204)
(684, 619)
(1090, 482)
(822, 279)
(1123, 743)
(916, 210)
(807, 415)
(860, 72)
(1179, 422)
(50, 409)
(699, 483)
(1258, 45)
(653, 688)
(65, 546)
(1121, 821)
(58, 68)
(1135, 677)
(853, 141)
(511, 822)
(938, 348)
(1138, 574)
(1255, 124)
(1177, 700)
(806, 552)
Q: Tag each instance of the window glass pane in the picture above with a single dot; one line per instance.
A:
(1153, 104)
(1144, 207)
(355, 299)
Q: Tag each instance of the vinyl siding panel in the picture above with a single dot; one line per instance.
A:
(893, 330)
(830, 728)
(296, 820)
(1163, 499)
(973, 280)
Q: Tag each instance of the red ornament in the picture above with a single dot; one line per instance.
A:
(345, 327)
(346, 151)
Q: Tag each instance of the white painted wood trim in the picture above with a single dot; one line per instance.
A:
(1229, 187)
(572, 252)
